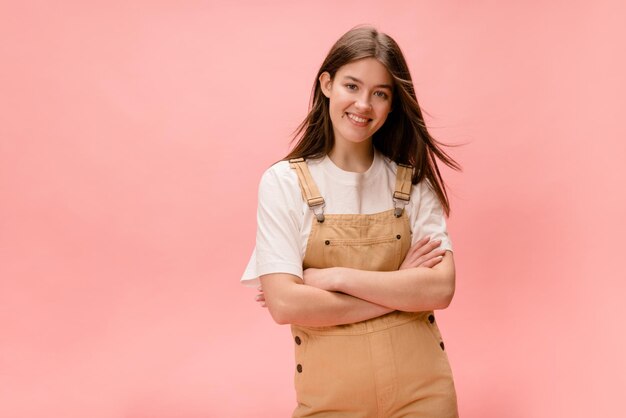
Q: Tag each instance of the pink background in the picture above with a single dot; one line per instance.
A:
(132, 139)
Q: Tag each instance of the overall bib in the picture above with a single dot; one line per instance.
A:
(386, 367)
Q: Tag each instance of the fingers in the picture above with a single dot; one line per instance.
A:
(432, 262)
(423, 246)
(423, 254)
(260, 298)
(414, 253)
(431, 254)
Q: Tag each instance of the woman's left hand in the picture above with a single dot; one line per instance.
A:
(324, 279)
(260, 297)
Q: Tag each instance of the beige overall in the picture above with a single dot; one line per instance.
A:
(391, 366)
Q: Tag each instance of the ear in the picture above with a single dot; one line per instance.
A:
(326, 83)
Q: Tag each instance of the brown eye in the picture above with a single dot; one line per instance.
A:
(381, 94)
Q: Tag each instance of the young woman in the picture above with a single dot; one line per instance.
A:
(352, 248)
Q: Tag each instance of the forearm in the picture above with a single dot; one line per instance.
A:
(292, 302)
(415, 289)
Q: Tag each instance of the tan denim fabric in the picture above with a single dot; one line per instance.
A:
(391, 366)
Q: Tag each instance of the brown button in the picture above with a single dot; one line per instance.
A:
(327, 242)
(398, 236)
(431, 318)
(298, 340)
(299, 368)
(441, 345)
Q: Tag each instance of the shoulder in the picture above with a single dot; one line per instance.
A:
(280, 171)
(278, 176)
(280, 183)
(425, 198)
(279, 192)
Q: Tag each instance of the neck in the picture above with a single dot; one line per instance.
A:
(357, 158)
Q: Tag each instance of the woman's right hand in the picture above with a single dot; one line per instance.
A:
(423, 253)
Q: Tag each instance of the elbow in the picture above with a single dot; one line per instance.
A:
(445, 300)
(280, 312)
(446, 278)
(438, 296)
(279, 298)
(446, 295)
(281, 319)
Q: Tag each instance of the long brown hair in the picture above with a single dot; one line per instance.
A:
(403, 137)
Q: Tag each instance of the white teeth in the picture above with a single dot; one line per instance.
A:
(356, 118)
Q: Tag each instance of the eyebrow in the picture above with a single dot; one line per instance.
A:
(385, 86)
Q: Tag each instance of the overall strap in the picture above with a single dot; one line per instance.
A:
(309, 189)
(402, 194)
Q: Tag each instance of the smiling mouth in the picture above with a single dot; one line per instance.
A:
(358, 120)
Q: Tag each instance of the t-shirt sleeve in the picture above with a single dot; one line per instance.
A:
(279, 220)
(428, 216)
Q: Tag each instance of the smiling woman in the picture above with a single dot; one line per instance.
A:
(363, 93)
(352, 248)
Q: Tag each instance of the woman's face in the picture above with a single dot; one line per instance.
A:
(359, 99)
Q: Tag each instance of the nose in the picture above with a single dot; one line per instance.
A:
(363, 103)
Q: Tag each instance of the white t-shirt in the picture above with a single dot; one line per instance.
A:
(284, 218)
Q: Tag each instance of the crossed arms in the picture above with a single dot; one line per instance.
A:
(338, 295)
